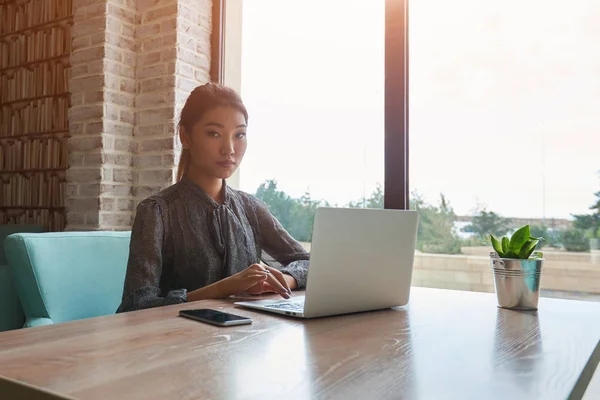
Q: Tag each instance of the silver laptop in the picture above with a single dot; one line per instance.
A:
(361, 260)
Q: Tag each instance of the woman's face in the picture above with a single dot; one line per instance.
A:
(217, 142)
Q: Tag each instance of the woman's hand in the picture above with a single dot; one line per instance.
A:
(253, 276)
(275, 283)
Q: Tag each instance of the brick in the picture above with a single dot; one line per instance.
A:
(168, 160)
(123, 160)
(118, 98)
(114, 25)
(94, 97)
(148, 130)
(155, 176)
(147, 161)
(185, 84)
(116, 128)
(151, 99)
(154, 84)
(194, 59)
(156, 115)
(124, 205)
(144, 5)
(79, 71)
(123, 43)
(115, 190)
(83, 175)
(166, 40)
(75, 160)
(98, 38)
(127, 85)
(168, 55)
(129, 58)
(108, 142)
(93, 159)
(113, 53)
(88, 26)
(168, 25)
(148, 58)
(112, 82)
(107, 204)
(115, 219)
(143, 192)
(122, 175)
(96, 67)
(120, 70)
(75, 218)
(127, 116)
(159, 13)
(121, 13)
(123, 145)
(86, 84)
(95, 10)
(89, 190)
(72, 190)
(202, 77)
(77, 99)
(83, 3)
(185, 70)
(107, 174)
(128, 31)
(156, 144)
(147, 31)
(152, 71)
(85, 143)
(94, 128)
(80, 42)
(171, 68)
(92, 219)
(86, 55)
(84, 113)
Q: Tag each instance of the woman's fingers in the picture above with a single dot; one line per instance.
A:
(279, 288)
(277, 273)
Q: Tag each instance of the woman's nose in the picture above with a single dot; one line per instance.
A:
(227, 147)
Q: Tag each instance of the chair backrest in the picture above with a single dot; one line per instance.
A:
(64, 276)
(11, 312)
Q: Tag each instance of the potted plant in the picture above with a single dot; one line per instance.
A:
(517, 270)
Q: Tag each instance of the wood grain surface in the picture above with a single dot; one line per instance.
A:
(443, 345)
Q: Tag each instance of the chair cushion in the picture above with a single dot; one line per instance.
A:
(66, 276)
(11, 312)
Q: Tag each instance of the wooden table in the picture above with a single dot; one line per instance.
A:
(443, 345)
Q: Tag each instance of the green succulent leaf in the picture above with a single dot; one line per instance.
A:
(518, 239)
(505, 245)
(537, 254)
(528, 248)
(497, 246)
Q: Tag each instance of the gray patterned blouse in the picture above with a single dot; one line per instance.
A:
(182, 240)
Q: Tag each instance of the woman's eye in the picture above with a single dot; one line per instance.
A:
(241, 135)
(213, 134)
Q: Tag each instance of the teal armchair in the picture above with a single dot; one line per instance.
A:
(11, 312)
(65, 276)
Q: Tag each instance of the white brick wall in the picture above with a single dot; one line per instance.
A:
(133, 65)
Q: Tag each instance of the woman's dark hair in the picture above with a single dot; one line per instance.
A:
(202, 99)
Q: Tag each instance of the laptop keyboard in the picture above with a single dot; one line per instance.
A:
(296, 307)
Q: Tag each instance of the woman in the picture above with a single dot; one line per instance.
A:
(200, 239)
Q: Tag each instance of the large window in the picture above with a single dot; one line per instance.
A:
(313, 82)
(505, 131)
(504, 125)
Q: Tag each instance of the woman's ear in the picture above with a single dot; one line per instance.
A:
(183, 136)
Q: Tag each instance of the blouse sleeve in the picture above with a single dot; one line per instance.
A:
(280, 245)
(144, 267)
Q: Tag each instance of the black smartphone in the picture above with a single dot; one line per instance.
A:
(215, 317)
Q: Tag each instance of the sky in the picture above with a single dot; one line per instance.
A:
(504, 101)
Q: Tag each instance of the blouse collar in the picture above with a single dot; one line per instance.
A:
(195, 188)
